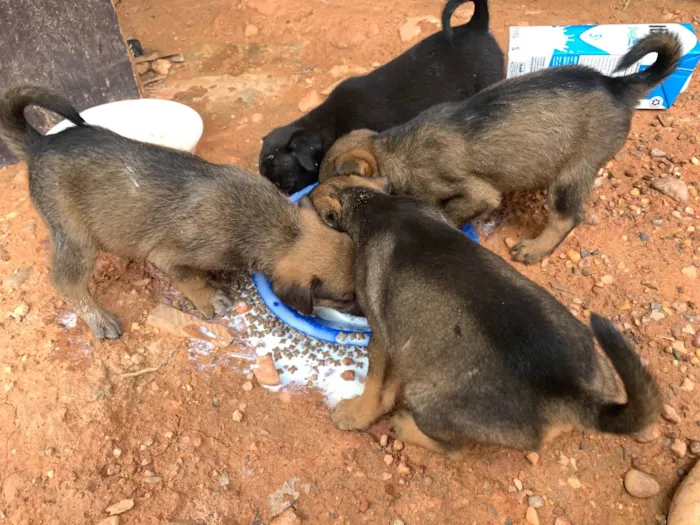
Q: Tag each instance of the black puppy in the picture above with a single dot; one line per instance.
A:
(473, 351)
(445, 67)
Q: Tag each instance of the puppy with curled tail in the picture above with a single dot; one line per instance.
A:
(97, 190)
(551, 129)
(467, 349)
(447, 66)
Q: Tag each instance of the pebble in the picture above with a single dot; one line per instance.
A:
(309, 102)
(518, 484)
(251, 30)
(574, 483)
(561, 521)
(237, 416)
(241, 307)
(679, 448)
(256, 118)
(112, 520)
(266, 373)
(383, 440)
(388, 459)
(288, 517)
(687, 385)
(657, 222)
(161, 66)
(398, 521)
(573, 256)
(696, 339)
(247, 386)
(695, 447)
(643, 237)
(655, 152)
(669, 414)
(510, 242)
(695, 161)
(607, 279)
(691, 272)
(641, 485)
(535, 502)
(531, 516)
(348, 375)
(20, 312)
(674, 188)
(648, 435)
(533, 457)
(121, 507)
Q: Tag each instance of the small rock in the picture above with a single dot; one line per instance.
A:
(112, 520)
(288, 517)
(113, 470)
(679, 448)
(518, 484)
(696, 339)
(121, 507)
(143, 68)
(643, 237)
(178, 58)
(657, 222)
(674, 188)
(383, 440)
(388, 459)
(403, 469)
(535, 502)
(655, 152)
(20, 312)
(237, 416)
(561, 521)
(247, 386)
(256, 118)
(531, 516)
(648, 435)
(669, 414)
(398, 521)
(695, 447)
(117, 452)
(691, 272)
(687, 385)
(574, 483)
(695, 161)
(573, 256)
(241, 307)
(510, 242)
(607, 279)
(310, 101)
(398, 445)
(266, 373)
(641, 485)
(348, 375)
(533, 457)
(161, 66)
(16, 280)
(251, 30)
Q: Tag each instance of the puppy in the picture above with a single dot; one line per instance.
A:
(324, 197)
(551, 129)
(97, 190)
(447, 66)
(475, 352)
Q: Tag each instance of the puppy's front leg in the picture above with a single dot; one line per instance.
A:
(479, 197)
(360, 412)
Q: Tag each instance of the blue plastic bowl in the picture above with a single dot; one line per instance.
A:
(313, 326)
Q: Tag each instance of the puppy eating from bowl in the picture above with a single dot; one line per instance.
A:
(97, 190)
(551, 129)
(469, 350)
(447, 66)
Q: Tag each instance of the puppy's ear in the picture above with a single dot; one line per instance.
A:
(382, 184)
(305, 203)
(298, 297)
(307, 149)
(357, 162)
(331, 217)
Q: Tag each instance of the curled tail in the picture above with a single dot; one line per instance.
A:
(15, 131)
(644, 402)
(479, 20)
(668, 48)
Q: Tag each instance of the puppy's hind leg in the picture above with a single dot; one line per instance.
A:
(360, 412)
(566, 200)
(71, 267)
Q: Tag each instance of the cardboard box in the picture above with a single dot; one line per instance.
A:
(601, 47)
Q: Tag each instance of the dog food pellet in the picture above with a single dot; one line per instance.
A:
(241, 307)
(348, 375)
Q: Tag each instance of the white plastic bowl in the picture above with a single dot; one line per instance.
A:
(163, 122)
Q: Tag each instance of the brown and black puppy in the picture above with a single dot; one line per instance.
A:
(97, 191)
(447, 66)
(324, 197)
(473, 351)
(551, 129)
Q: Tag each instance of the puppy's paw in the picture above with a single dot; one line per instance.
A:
(103, 324)
(350, 414)
(528, 252)
(221, 303)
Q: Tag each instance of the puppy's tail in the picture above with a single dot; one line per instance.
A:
(15, 131)
(478, 22)
(644, 402)
(668, 48)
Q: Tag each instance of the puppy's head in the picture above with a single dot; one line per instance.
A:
(352, 154)
(324, 198)
(290, 157)
(317, 270)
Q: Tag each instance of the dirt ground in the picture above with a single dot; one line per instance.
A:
(77, 435)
